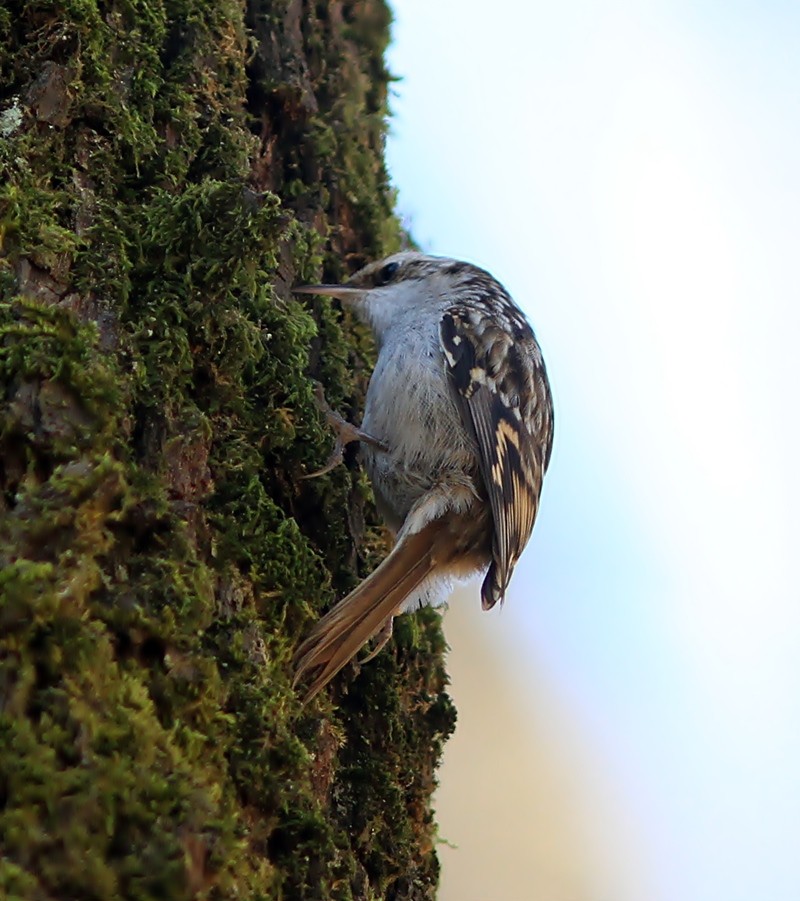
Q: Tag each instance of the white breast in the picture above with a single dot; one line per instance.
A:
(408, 395)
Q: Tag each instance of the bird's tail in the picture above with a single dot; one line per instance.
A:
(339, 635)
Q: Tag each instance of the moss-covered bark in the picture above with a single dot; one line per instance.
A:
(168, 169)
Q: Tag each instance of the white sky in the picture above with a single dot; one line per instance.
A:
(631, 172)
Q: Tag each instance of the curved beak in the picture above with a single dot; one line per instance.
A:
(342, 292)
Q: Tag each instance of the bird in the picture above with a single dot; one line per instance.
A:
(456, 436)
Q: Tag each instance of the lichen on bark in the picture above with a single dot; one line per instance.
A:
(168, 170)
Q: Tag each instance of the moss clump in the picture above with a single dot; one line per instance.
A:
(167, 171)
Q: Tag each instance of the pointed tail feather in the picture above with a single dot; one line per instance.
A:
(343, 631)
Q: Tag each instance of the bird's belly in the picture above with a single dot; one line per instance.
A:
(415, 415)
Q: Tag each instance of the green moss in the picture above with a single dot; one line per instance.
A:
(172, 169)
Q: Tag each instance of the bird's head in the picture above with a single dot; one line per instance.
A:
(399, 289)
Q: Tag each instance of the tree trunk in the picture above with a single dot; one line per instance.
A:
(168, 170)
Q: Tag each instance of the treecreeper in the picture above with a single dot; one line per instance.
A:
(456, 436)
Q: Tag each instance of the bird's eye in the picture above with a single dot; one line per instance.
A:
(386, 274)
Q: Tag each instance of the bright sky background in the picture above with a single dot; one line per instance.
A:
(631, 172)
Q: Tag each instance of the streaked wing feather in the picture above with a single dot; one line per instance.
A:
(509, 464)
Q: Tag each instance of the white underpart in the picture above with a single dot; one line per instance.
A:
(409, 405)
(434, 592)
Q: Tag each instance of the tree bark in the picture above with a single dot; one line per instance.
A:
(168, 170)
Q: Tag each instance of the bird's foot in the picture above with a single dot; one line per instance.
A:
(345, 432)
(381, 639)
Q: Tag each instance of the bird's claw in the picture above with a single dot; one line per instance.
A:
(381, 639)
(345, 432)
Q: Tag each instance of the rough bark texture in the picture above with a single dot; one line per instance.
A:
(168, 169)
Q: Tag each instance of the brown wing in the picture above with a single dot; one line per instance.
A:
(492, 372)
